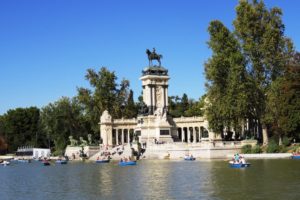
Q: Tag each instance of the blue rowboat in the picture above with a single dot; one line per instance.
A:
(24, 161)
(46, 163)
(189, 158)
(102, 161)
(5, 163)
(123, 163)
(239, 165)
(296, 156)
(61, 162)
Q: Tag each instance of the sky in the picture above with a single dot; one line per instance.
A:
(46, 46)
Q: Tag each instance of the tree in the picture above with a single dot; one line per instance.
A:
(226, 80)
(130, 109)
(244, 65)
(62, 119)
(20, 127)
(265, 48)
(283, 106)
(102, 97)
(196, 108)
(106, 94)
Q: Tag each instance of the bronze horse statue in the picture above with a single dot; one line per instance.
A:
(153, 56)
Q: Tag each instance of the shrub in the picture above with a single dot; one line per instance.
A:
(282, 149)
(272, 147)
(256, 149)
(246, 148)
(286, 141)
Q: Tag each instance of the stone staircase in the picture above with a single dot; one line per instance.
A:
(116, 153)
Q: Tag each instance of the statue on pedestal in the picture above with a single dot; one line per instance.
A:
(83, 142)
(90, 140)
(73, 141)
(153, 56)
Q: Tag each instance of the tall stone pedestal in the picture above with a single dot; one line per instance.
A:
(74, 152)
(154, 128)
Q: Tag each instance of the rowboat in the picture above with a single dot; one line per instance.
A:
(103, 161)
(296, 156)
(24, 161)
(46, 163)
(61, 162)
(126, 163)
(5, 163)
(189, 158)
(239, 165)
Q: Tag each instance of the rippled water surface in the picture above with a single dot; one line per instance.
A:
(265, 179)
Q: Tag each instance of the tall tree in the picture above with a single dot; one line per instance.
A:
(227, 80)
(101, 97)
(244, 65)
(130, 109)
(106, 94)
(261, 34)
(283, 106)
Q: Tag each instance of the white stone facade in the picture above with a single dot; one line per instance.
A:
(154, 126)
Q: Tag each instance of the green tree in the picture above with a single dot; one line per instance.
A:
(244, 66)
(102, 97)
(226, 80)
(283, 106)
(63, 118)
(106, 94)
(196, 108)
(20, 127)
(130, 109)
(261, 34)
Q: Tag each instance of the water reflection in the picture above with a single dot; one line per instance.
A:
(154, 179)
(265, 179)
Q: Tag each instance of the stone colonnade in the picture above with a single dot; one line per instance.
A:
(122, 135)
(192, 129)
(192, 134)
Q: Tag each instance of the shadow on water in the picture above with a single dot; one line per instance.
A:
(150, 179)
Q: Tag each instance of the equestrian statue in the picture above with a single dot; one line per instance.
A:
(153, 56)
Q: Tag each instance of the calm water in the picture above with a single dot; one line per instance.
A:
(265, 179)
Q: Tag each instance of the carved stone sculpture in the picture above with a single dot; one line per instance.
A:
(90, 140)
(73, 141)
(83, 142)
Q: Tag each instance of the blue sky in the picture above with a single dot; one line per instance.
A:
(46, 46)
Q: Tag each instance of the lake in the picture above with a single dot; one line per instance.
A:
(152, 179)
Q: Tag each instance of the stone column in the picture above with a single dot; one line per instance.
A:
(117, 136)
(189, 135)
(128, 136)
(182, 134)
(154, 98)
(164, 94)
(194, 135)
(122, 136)
(200, 135)
(166, 90)
(151, 99)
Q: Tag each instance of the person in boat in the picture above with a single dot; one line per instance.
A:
(236, 158)
(242, 160)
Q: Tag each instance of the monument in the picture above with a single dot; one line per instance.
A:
(153, 124)
(154, 128)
